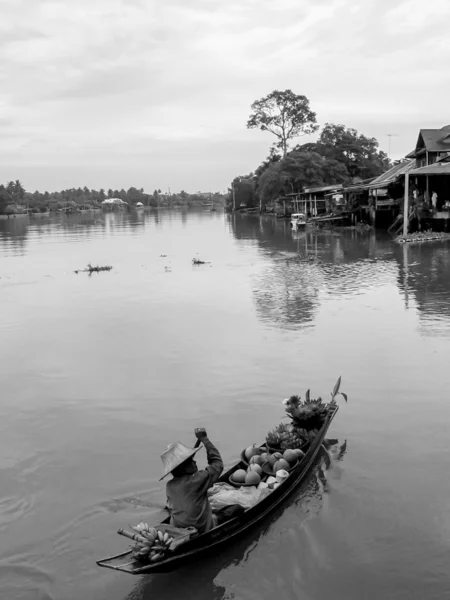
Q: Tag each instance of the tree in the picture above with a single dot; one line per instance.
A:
(285, 114)
(360, 154)
(4, 197)
(244, 191)
(298, 170)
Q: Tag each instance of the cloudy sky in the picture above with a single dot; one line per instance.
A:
(156, 93)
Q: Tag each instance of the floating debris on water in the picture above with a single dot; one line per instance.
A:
(423, 236)
(197, 261)
(90, 269)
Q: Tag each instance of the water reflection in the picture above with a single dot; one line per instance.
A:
(13, 235)
(303, 266)
(424, 279)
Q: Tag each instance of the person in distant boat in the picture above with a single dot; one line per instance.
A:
(187, 491)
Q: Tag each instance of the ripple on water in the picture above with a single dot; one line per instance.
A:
(24, 582)
(13, 508)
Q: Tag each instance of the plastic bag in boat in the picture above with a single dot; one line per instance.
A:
(224, 494)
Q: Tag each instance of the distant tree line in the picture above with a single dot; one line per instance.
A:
(340, 155)
(14, 198)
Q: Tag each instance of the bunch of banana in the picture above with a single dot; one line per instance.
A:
(151, 544)
(280, 436)
(292, 440)
(273, 438)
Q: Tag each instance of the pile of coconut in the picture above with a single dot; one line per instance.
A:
(262, 462)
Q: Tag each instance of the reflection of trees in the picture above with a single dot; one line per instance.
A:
(287, 295)
(13, 235)
(304, 264)
(424, 278)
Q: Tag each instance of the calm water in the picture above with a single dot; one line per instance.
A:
(98, 374)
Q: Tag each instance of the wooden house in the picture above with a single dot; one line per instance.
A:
(315, 201)
(432, 145)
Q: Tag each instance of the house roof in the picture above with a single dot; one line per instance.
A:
(323, 188)
(439, 168)
(386, 178)
(432, 140)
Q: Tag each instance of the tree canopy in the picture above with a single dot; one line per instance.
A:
(360, 154)
(14, 198)
(296, 171)
(339, 155)
(284, 114)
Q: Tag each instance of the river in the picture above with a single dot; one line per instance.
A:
(100, 372)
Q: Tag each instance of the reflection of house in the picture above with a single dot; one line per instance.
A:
(423, 277)
(432, 144)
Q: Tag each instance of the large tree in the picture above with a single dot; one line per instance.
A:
(296, 171)
(285, 114)
(360, 154)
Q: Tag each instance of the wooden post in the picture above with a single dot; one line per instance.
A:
(234, 196)
(406, 206)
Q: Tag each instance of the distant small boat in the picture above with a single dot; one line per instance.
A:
(298, 221)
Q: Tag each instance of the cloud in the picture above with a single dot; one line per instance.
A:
(90, 82)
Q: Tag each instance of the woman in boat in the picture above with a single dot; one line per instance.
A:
(187, 497)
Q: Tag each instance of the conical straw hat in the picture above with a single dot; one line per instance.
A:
(175, 455)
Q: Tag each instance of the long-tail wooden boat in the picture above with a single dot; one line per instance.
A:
(211, 541)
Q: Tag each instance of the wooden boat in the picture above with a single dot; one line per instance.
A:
(213, 540)
(298, 221)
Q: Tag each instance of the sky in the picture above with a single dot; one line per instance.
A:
(157, 93)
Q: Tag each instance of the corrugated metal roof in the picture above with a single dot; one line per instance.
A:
(393, 173)
(440, 168)
(323, 188)
(386, 178)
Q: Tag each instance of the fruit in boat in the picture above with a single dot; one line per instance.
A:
(278, 455)
(290, 456)
(252, 478)
(256, 460)
(281, 464)
(256, 469)
(286, 436)
(239, 476)
(271, 459)
(300, 454)
(251, 451)
(264, 457)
